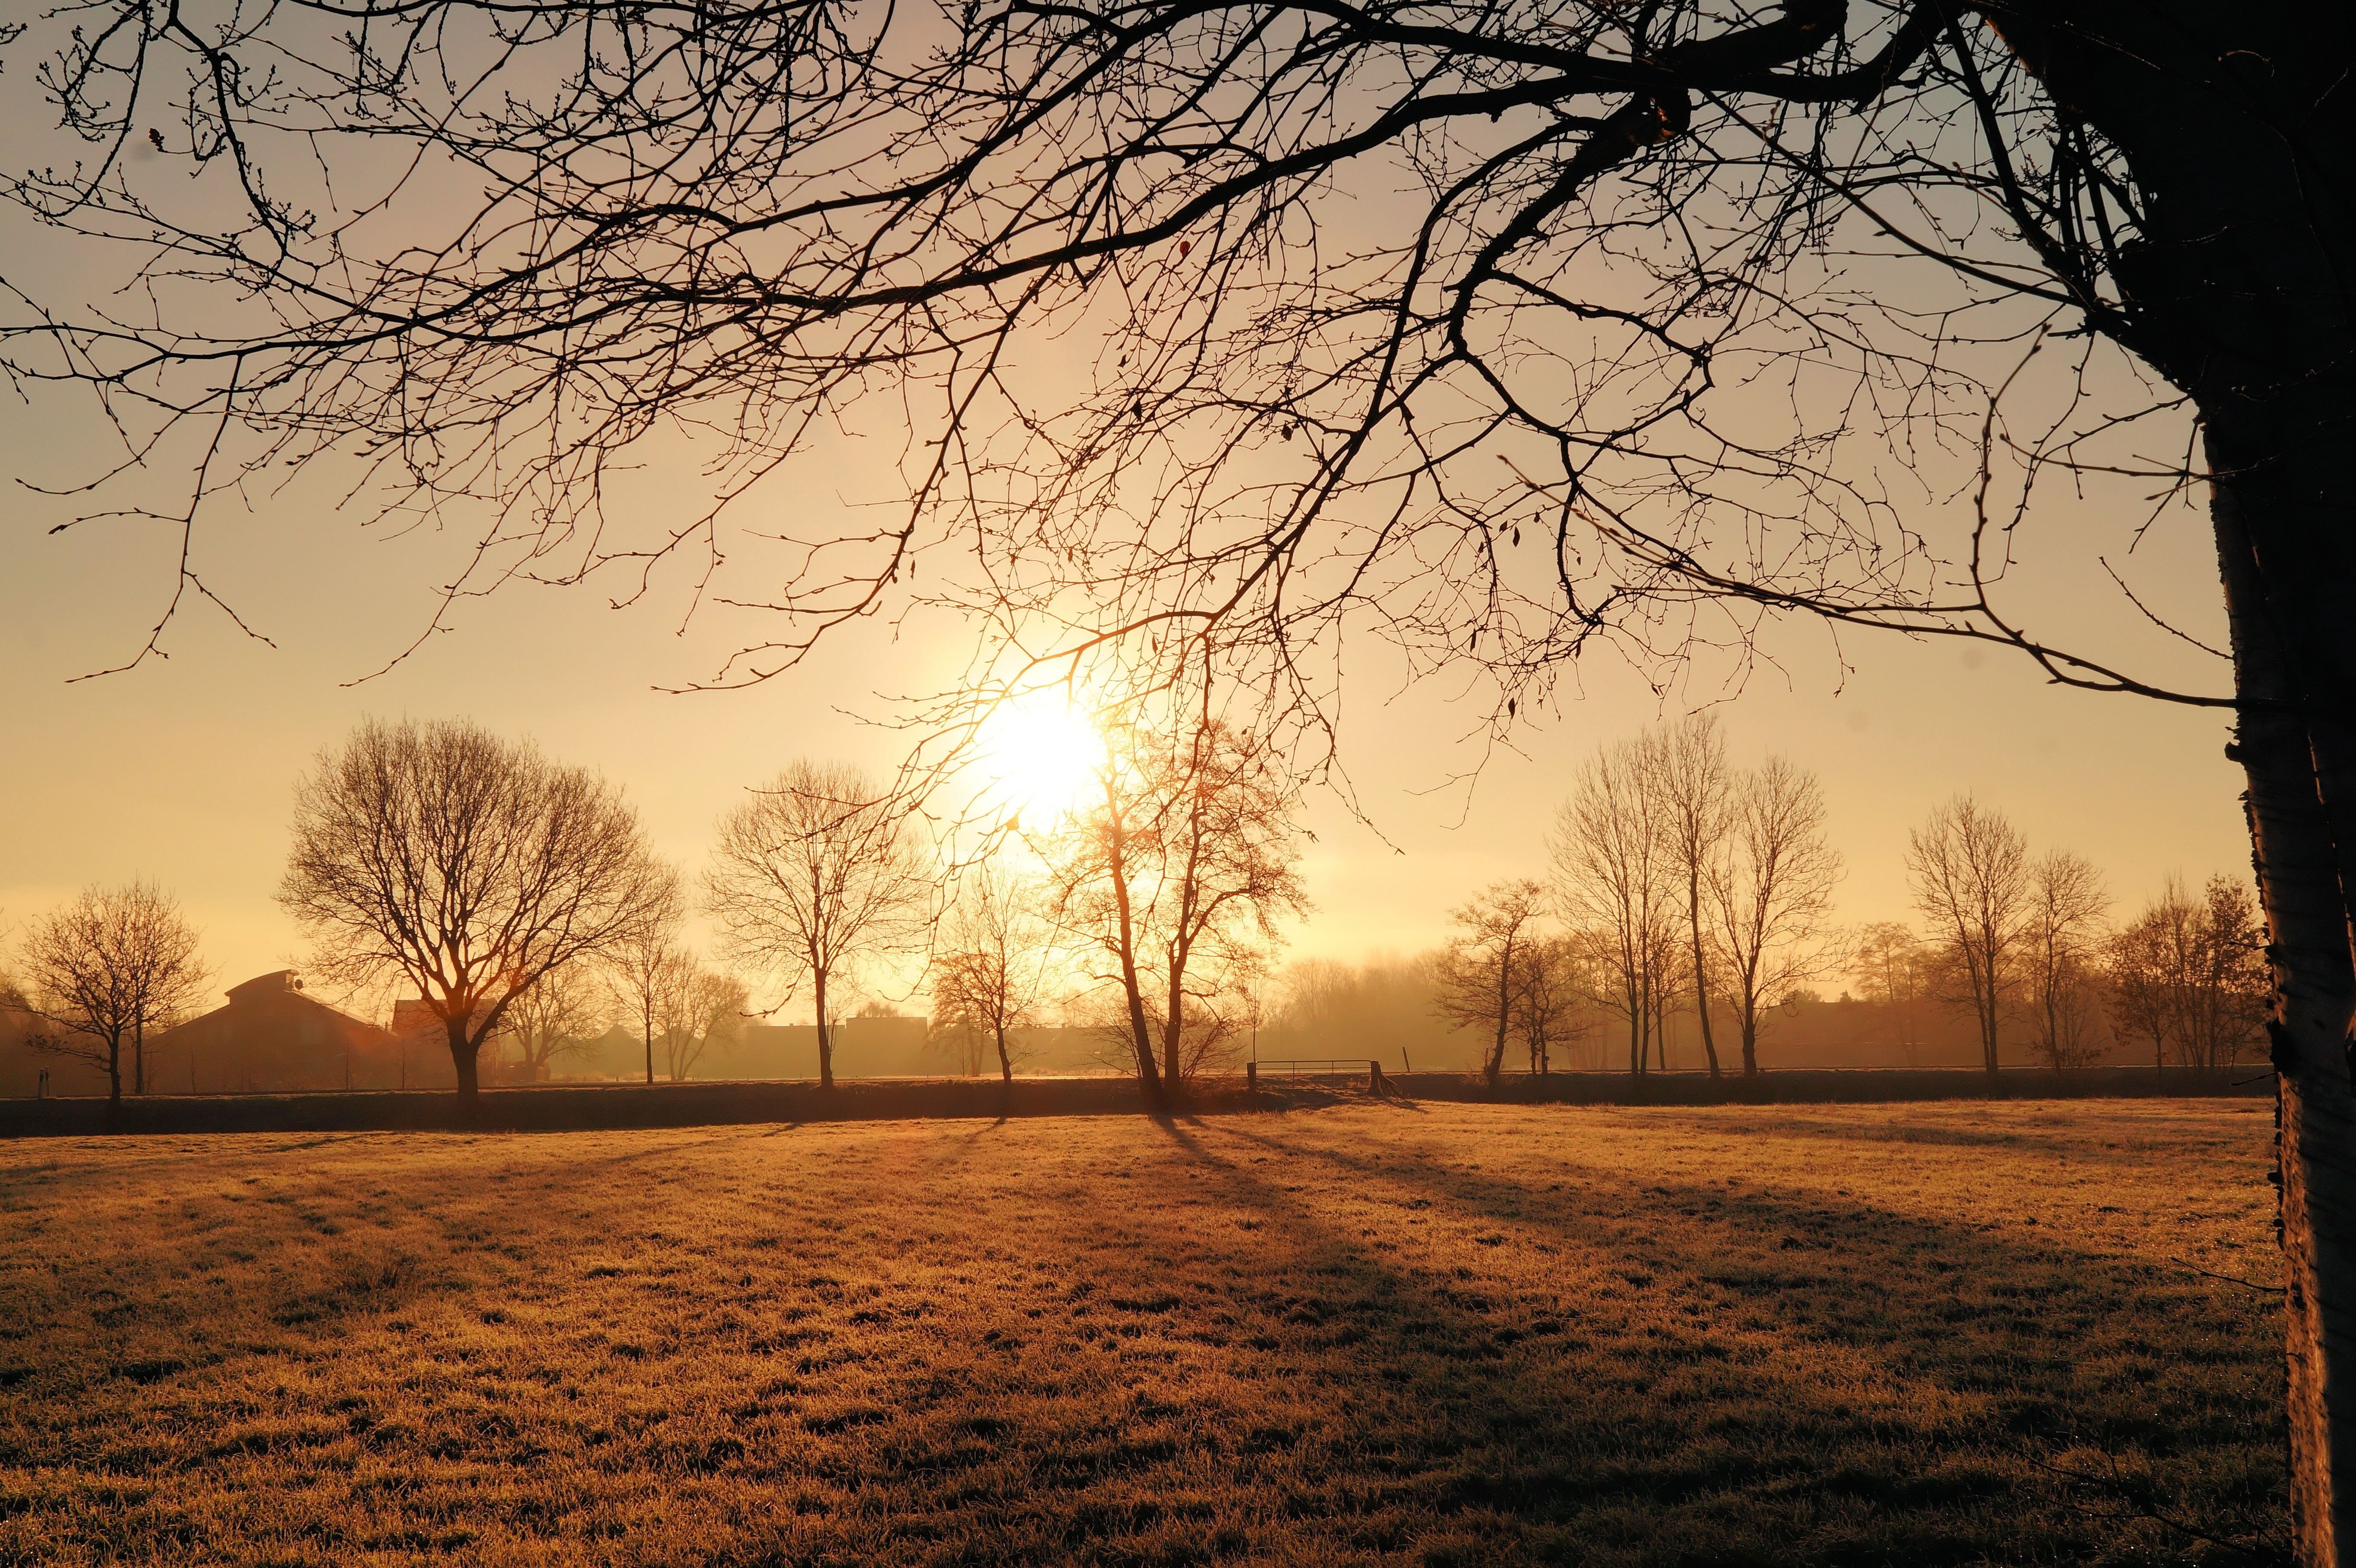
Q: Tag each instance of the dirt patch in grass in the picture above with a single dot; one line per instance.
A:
(1917, 1334)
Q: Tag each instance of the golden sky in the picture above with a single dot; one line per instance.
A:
(182, 770)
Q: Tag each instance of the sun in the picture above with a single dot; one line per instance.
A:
(1044, 753)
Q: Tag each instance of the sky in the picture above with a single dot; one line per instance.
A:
(182, 769)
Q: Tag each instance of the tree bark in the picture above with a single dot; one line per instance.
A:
(1701, 978)
(1496, 1062)
(2294, 751)
(465, 1055)
(1005, 1061)
(825, 1035)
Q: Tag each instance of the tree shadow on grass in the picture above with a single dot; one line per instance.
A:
(1213, 1340)
(1773, 1375)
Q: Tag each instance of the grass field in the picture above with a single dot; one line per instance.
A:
(1449, 1335)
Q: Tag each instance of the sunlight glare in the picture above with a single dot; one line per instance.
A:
(1044, 753)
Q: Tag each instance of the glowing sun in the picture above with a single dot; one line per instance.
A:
(1044, 753)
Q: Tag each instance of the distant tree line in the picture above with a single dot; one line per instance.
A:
(519, 901)
(1682, 885)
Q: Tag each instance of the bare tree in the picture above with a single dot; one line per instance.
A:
(814, 875)
(2188, 974)
(1178, 876)
(638, 220)
(642, 970)
(1479, 967)
(990, 980)
(1970, 875)
(105, 969)
(1771, 892)
(701, 1008)
(1613, 880)
(1547, 988)
(1695, 787)
(555, 1016)
(1890, 970)
(2061, 939)
(469, 866)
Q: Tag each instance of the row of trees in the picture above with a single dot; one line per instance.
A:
(1682, 884)
(516, 896)
(520, 900)
(2016, 937)
(1677, 880)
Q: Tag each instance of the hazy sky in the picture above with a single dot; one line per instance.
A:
(181, 770)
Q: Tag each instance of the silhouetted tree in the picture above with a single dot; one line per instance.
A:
(2061, 944)
(990, 980)
(1178, 873)
(469, 866)
(2189, 975)
(555, 1016)
(814, 875)
(700, 1007)
(1890, 970)
(1615, 879)
(1772, 891)
(1970, 875)
(643, 969)
(1478, 968)
(105, 969)
(1687, 773)
(1546, 989)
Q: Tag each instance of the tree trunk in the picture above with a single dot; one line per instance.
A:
(648, 1018)
(1173, 1022)
(825, 1034)
(463, 1055)
(139, 1056)
(2296, 753)
(1496, 1062)
(1701, 981)
(1117, 865)
(2235, 122)
(1005, 1061)
(114, 1072)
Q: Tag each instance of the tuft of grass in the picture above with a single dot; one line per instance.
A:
(1457, 1334)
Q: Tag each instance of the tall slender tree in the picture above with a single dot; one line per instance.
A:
(1482, 962)
(643, 970)
(1771, 892)
(1613, 880)
(1180, 878)
(813, 875)
(1969, 869)
(2062, 938)
(993, 972)
(1689, 772)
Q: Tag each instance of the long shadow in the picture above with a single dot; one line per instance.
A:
(1627, 1370)
(1908, 1370)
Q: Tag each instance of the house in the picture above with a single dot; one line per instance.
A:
(273, 1036)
